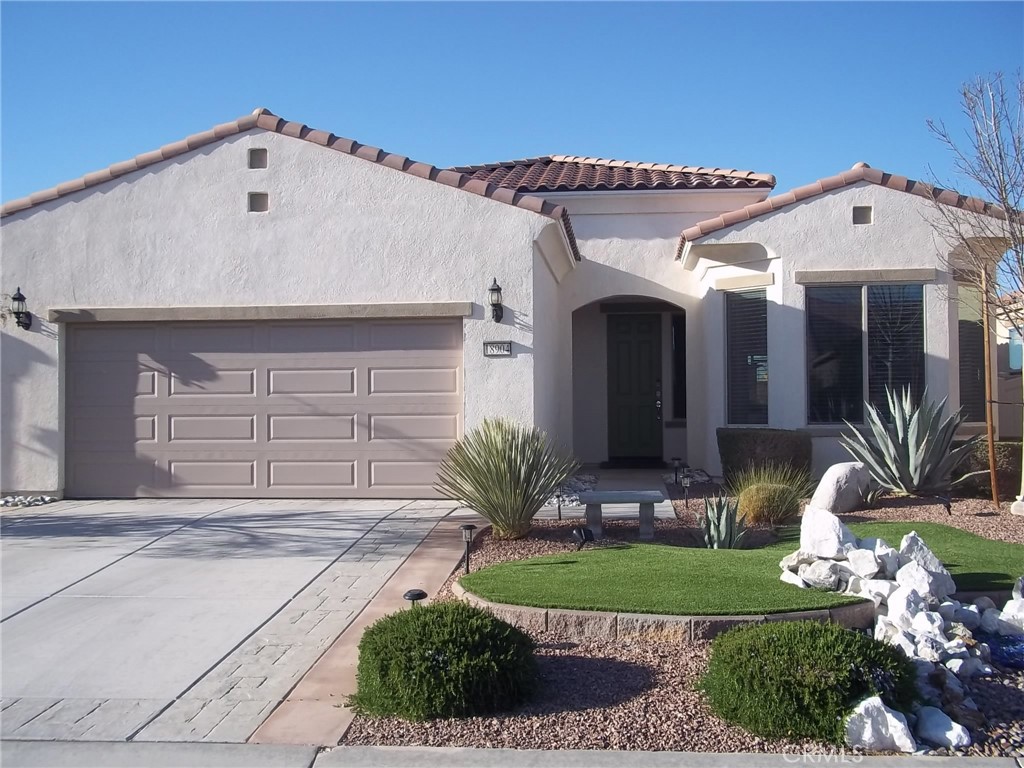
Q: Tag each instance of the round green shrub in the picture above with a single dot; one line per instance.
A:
(800, 679)
(442, 660)
(768, 503)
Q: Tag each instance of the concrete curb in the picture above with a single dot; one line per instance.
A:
(683, 629)
(464, 757)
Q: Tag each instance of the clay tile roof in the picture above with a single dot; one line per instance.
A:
(569, 173)
(859, 172)
(267, 120)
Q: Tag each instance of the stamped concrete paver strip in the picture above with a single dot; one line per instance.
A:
(230, 702)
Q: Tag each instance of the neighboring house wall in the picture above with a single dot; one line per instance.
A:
(339, 230)
(1009, 393)
(819, 235)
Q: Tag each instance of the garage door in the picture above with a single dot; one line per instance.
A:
(345, 409)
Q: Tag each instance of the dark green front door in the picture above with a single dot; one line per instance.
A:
(634, 387)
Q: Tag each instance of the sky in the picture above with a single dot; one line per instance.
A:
(801, 90)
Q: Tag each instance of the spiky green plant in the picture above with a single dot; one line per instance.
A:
(771, 493)
(911, 454)
(505, 471)
(722, 529)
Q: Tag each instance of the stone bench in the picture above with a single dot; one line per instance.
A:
(645, 499)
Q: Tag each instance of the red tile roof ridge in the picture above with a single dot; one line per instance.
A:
(859, 172)
(263, 118)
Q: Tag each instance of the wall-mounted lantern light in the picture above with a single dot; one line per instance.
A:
(22, 317)
(467, 536)
(494, 299)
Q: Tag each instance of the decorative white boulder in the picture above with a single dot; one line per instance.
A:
(929, 647)
(904, 604)
(947, 609)
(928, 623)
(842, 488)
(878, 590)
(969, 616)
(936, 728)
(824, 534)
(863, 563)
(927, 583)
(1013, 612)
(888, 558)
(884, 629)
(821, 574)
(967, 668)
(874, 726)
(791, 578)
(905, 642)
(914, 548)
(794, 560)
(1018, 589)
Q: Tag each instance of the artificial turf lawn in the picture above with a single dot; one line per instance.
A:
(653, 578)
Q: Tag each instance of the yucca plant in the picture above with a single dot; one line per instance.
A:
(910, 454)
(722, 529)
(506, 472)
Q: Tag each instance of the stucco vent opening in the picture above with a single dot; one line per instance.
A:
(259, 202)
(258, 158)
(862, 214)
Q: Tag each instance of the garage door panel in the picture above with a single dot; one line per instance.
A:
(304, 409)
(110, 343)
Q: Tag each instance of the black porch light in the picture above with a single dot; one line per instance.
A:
(414, 596)
(22, 317)
(467, 536)
(494, 299)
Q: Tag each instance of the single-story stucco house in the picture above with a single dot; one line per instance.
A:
(264, 309)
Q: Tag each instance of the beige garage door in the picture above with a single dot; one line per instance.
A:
(343, 409)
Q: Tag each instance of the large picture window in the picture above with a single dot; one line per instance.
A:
(860, 340)
(746, 326)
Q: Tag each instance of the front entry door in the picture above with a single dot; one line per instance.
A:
(634, 387)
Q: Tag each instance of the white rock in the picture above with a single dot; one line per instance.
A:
(905, 642)
(954, 649)
(947, 609)
(1013, 612)
(936, 728)
(929, 647)
(884, 629)
(992, 622)
(878, 590)
(984, 603)
(821, 574)
(913, 547)
(904, 603)
(874, 726)
(863, 562)
(929, 623)
(851, 585)
(794, 560)
(824, 534)
(927, 584)
(1018, 588)
(965, 669)
(842, 488)
(791, 578)
(969, 616)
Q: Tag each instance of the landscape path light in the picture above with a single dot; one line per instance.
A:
(414, 596)
(467, 536)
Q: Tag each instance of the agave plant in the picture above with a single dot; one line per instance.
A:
(911, 454)
(722, 529)
(506, 472)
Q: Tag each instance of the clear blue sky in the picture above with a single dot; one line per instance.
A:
(801, 90)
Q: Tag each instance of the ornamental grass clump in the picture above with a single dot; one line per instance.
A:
(801, 679)
(443, 660)
(910, 454)
(771, 494)
(506, 472)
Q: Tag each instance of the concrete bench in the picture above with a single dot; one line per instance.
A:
(645, 499)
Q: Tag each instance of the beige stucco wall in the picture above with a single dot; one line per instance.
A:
(339, 230)
(819, 235)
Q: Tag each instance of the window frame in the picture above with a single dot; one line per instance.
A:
(865, 353)
(725, 350)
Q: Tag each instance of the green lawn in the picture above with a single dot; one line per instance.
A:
(652, 578)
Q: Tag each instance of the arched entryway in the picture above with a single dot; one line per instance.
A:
(629, 381)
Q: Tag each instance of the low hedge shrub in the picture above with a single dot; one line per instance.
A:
(442, 660)
(1008, 461)
(801, 679)
(742, 448)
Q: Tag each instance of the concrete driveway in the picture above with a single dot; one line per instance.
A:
(183, 620)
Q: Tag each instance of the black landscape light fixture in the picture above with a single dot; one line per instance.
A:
(583, 535)
(494, 299)
(467, 536)
(414, 596)
(677, 462)
(686, 488)
(22, 317)
(558, 501)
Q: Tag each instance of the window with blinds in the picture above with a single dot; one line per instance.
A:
(971, 344)
(862, 337)
(835, 354)
(746, 325)
(895, 342)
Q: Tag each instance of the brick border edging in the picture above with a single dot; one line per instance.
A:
(612, 626)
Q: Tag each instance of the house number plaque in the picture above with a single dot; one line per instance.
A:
(497, 349)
